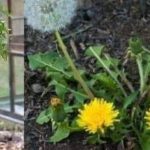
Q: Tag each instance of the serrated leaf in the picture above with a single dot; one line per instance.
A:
(61, 63)
(44, 116)
(51, 60)
(79, 98)
(145, 141)
(60, 88)
(66, 88)
(60, 91)
(130, 99)
(74, 127)
(82, 72)
(119, 131)
(97, 49)
(101, 93)
(54, 75)
(146, 50)
(70, 108)
(61, 133)
(115, 74)
(91, 82)
(92, 139)
(106, 62)
(35, 61)
(58, 113)
(112, 61)
(105, 80)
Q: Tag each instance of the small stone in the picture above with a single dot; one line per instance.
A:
(90, 14)
(37, 88)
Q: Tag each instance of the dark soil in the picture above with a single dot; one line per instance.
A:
(106, 22)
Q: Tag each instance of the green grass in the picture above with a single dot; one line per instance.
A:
(10, 126)
(4, 76)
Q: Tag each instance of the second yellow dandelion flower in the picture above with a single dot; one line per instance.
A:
(147, 118)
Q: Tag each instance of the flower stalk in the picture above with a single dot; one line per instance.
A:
(141, 73)
(76, 73)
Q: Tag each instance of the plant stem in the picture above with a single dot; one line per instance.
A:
(76, 73)
(140, 67)
(137, 132)
(99, 138)
(123, 77)
(147, 72)
(145, 49)
(109, 71)
(126, 81)
(138, 135)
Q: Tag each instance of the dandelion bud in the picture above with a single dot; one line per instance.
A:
(55, 101)
(135, 45)
(58, 112)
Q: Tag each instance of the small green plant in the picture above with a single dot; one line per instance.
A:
(3, 33)
(142, 57)
(110, 83)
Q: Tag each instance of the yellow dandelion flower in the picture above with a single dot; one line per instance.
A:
(147, 118)
(97, 115)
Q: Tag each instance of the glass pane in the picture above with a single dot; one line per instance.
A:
(19, 74)
(4, 85)
(4, 76)
(19, 84)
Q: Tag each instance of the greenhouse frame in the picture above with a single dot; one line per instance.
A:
(12, 106)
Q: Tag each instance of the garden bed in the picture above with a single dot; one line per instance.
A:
(103, 22)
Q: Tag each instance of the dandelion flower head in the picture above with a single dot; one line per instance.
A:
(97, 115)
(49, 15)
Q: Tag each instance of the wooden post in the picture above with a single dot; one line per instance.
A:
(11, 65)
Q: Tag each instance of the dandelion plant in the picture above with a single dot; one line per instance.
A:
(51, 16)
(142, 58)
